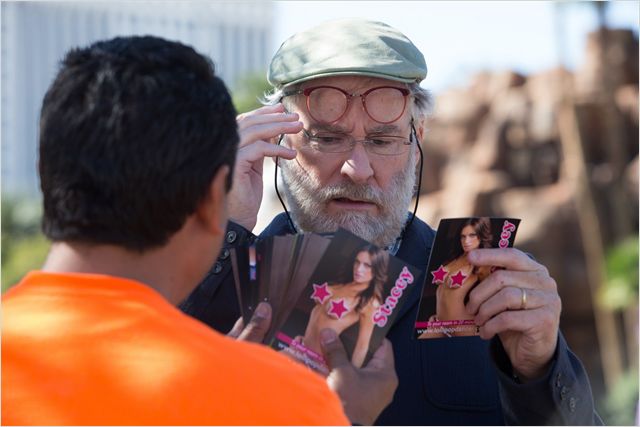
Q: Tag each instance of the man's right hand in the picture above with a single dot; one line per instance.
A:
(364, 392)
(257, 328)
(258, 130)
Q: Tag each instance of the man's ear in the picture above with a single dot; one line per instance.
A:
(212, 211)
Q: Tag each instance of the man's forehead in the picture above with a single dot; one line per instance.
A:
(352, 83)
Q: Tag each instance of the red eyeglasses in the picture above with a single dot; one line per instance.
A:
(328, 104)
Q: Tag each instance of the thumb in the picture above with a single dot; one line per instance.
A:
(383, 357)
(333, 350)
(258, 325)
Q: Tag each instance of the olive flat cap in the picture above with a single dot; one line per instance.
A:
(347, 47)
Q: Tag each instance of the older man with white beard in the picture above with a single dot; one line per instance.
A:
(345, 118)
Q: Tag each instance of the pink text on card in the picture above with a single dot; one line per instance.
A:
(507, 229)
(382, 314)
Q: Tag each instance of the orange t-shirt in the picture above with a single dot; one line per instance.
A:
(94, 349)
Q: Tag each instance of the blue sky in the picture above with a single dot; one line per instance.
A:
(458, 38)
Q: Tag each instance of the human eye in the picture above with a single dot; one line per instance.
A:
(383, 140)
(326, 139)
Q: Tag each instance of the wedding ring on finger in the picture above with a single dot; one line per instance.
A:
(523, 299)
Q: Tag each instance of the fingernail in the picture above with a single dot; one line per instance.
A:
(262, 310)
(328, 336)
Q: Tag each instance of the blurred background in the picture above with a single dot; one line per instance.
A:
(536, 117)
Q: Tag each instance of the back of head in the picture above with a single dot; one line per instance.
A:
(132, 132)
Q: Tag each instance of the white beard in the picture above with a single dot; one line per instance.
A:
(309, 202)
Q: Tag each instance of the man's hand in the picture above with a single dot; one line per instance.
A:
(257, 327)
(520, 303)
(258, 130)
(364, 392)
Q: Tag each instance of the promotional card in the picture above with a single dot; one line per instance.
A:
(356, 289)
(450, 277)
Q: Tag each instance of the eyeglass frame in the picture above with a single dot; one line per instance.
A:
(349, 96)
(413, 135)
(366, 142)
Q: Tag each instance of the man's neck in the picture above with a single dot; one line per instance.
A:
(154, 268)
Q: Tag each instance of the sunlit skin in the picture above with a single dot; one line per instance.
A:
(320, 317)
(359, 166)
(450, 300)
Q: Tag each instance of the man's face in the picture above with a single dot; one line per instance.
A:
(363, 192)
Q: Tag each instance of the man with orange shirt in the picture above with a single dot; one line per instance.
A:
(138, 139)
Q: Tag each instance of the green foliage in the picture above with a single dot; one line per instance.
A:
(24, 248)
(621, 265)
(620, 403)
(27, 254)
(248, 91)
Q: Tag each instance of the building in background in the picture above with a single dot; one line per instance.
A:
(36, 35)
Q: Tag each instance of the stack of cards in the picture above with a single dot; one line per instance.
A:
(450, 277)
(314, 282)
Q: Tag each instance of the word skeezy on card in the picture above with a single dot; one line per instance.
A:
(450, 276)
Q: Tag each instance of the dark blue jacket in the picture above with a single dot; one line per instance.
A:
(461, 381)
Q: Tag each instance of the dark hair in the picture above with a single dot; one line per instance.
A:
(482, 227)
(379, 264)
(132, 132)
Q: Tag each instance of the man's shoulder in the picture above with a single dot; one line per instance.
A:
(271, 373)
(419, 233)
(257, 362)
(278, 226)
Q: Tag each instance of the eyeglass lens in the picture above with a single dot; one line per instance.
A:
(328, 104)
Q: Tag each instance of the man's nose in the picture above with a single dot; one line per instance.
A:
(357, 166)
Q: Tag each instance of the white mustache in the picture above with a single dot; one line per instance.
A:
(350, 191)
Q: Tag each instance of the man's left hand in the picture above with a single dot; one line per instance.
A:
(519, 303)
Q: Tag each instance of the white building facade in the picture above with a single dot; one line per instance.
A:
(236, 35)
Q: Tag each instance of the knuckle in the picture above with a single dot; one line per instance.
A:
(483, 313)
(548, 321)
(557, 304)
(512, 293)
(543, 270)
(505, 320)
(500, 277)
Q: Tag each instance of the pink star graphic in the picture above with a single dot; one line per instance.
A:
(457, 279)
(439, 274)
(320, 292)
(338, 309)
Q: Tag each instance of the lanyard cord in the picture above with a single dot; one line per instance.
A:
(275, 181)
